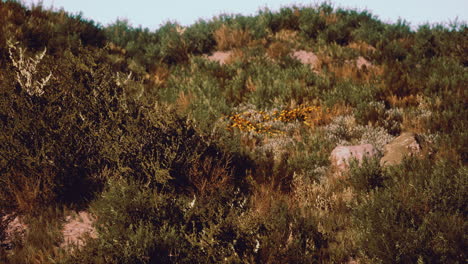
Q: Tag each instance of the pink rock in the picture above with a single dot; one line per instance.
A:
(362, 63)
(306, 57)
(220, 56)
(15, 227)
(75, 229)
(341, 155)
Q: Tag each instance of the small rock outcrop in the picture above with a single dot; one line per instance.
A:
(404, 145)
(15, 227)
(220, 56)
(341, 155)
(76, 228)
(307, 57)
(362, 63)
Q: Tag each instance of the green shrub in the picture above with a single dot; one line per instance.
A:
(135, 225)
(366, 176)
(419, 215)
(376, 114)
(42, 132)
(311, 23)
(350, 94)
(174, 48)
(286, 18)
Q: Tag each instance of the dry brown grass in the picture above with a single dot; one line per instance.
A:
(286, 35)
(28, 191)
(264, 197)
(329, 18)
(329, 114)
(351, 70)
(448, 152)
(40, 239)
(416, 121)
(160, 75)
(250, 142)
(331, 58)
(184, 101)
(362, 47)
(250, 85)
(278, 50)
(227, 38)
(256, 43)
(209, 174)
(415, 124)
(237, 54)
(330, 201)
(405, 101)
(406, 43)
(289, 37)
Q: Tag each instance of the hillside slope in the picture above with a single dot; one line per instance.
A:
(212, 143)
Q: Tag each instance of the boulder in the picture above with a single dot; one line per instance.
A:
(362, 63)
(220, 56)
(403, 145)
(15, 227)
(76, 228)
(341, 155)
(306, 57)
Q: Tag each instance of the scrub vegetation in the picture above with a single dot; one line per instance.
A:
(181, 159)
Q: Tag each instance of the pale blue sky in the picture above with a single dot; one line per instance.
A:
(153, 13)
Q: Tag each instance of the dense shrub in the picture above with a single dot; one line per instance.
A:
(366, 176)
(417, 216)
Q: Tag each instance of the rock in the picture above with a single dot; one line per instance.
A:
(306, 57)
(15, 227)
(341, 155)
(362, 63)
(76, 228)
(220, 56)
(404, 145)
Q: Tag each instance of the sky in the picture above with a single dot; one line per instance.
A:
(153, 13)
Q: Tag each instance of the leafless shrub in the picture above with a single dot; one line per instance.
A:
(26, 69)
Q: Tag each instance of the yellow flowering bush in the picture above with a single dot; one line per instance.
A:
(269, 122)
